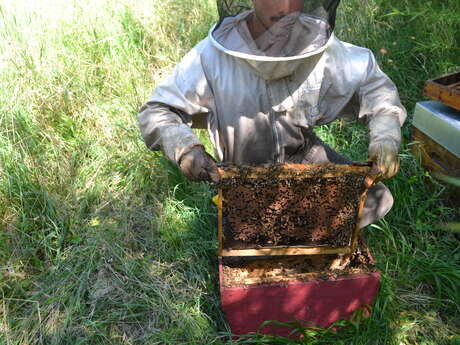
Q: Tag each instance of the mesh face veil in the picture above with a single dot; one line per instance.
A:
(275, 28)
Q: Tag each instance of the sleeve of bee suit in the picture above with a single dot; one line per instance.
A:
(380, 106)
(165, 119)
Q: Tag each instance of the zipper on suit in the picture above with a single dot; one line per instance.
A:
(276, 134)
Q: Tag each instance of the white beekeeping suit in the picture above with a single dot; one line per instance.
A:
(262, 79)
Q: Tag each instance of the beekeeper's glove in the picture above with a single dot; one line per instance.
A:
(384, 142)
(197, 165)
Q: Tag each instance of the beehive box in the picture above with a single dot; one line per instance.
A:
(313, 290)
(292, 209)
(445, 89)
(436, 133)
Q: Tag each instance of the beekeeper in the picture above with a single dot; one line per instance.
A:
(266, 75)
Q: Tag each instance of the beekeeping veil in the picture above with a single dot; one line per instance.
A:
(261, 31)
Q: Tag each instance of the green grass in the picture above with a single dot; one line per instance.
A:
(104, 242)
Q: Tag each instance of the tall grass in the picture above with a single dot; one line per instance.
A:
(103, 242)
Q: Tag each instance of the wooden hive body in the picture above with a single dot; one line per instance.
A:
(445, 89)
(436, 133)
(311, 290)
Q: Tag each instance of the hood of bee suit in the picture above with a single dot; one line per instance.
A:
(274, 36)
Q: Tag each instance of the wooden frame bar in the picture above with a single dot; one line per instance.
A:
(293, 171)
(282, 251)
(220, 236)
(369, 182)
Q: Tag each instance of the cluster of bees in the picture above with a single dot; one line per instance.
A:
(274, 211)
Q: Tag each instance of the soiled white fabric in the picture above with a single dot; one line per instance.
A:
(384, 142)
(255, 118)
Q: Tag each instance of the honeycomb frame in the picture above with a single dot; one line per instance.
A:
(233, 177)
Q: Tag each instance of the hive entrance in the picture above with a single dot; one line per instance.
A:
(303, 206)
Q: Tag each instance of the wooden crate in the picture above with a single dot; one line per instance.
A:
(295, 172)
(445, 89)
(434, 157)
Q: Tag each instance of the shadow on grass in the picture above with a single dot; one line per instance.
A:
(142, 266)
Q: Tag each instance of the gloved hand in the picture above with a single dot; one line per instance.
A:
(197, 165)
(384, 154)
(385, 139)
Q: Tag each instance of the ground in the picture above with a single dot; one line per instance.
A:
(104, 242)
